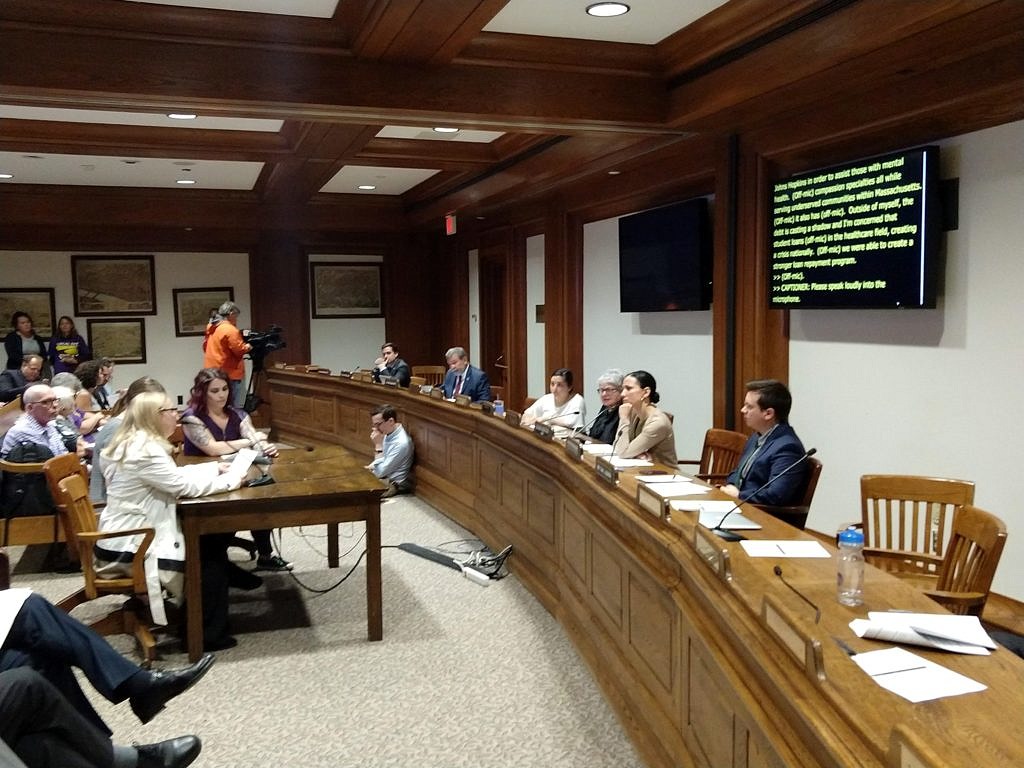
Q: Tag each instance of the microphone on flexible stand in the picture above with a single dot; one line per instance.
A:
(546, 419)
(731, 535)
(577, 430)
(817, 611)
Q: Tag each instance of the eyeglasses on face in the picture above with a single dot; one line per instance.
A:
(47, 402)
(606, 390)
(168, 410)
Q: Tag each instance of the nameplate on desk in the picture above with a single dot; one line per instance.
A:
(426, 389)
(486, 406)
(805, 649)
(344, 374)
(607, 471)
(574, 447)
(710, 549)
(437, 393)
(544, 431)
(652, 501)
(389, 381)
(463, 400)
(512, 418)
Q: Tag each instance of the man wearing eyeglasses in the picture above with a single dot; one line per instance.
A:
(35, 425)
(393, 449)
(15, 381)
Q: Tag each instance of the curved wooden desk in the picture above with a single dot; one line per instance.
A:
(701, 669)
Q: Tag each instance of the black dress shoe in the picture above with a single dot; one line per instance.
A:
(173, 753)
(164, 686)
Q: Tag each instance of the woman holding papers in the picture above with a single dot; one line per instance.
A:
(645, 431)
(143, 485)
(562, 408)
(214, 427)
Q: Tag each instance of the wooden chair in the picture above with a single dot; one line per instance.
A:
(907, 520)
(29, 529)
(132, 617)
(9, 413)
(56, 469)
(796, 514)
(415, 382)
(432, 374)
(969, 565)
(720, 455)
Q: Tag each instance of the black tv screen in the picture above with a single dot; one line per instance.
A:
(863, 235)
(665, 258)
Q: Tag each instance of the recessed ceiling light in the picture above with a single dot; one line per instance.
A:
(606, 10)
(6, 175)
(182, 116)
(366, 187)
(185, 182)
(614, 173)
(441, 129)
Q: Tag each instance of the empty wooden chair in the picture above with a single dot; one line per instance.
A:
(907, 520)
(432, 374)
(796, 514)
(969, 565)
(132, 617)
(720, 455)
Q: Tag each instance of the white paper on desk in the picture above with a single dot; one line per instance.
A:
(708, 505)
(957, 634)
(783, 548)
(710, 514)
(620, 463)
(597, 449)
(913, 677)
(678, 488)
(666, 478)
(242, 462)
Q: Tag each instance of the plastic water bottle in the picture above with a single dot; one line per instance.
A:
(850, 574)
(499, 407)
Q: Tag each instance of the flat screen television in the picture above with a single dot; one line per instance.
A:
(665, 258)
(864, 235)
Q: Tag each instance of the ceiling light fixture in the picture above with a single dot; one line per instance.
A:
(366, 187)
(607, 10)
(185, 182)
(614, 173)
(6, 175)
(441, 129)
(182, 116)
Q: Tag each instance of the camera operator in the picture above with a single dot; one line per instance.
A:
(225, 348)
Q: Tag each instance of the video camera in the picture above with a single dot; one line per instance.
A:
(263, 343)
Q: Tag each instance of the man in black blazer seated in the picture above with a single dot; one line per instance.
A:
(463, 378)
(773, 447)
(390, 364)
(14, 381)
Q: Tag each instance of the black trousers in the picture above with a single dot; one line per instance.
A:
(44, 729)
(46, 639)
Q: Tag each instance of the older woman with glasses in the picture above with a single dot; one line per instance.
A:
(606, 423)
(143, 486)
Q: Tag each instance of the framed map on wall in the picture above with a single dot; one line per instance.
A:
(345, 289)
(36, 302)
(122, 340)
(113, 285)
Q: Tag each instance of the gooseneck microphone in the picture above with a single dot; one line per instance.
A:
(578, 430)
(817, 611)
(733, 536)
(546, 419)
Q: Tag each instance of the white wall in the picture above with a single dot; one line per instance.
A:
(931, 392)
(675, 347)
(536, 375)
(345, 343)
(172, 360)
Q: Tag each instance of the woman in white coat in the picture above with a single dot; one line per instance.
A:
(143, 485)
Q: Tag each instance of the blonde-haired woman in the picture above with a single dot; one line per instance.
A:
(143, 485)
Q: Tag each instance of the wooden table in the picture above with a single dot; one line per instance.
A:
(311, 486)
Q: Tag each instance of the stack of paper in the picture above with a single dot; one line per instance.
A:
(672, 485)
(912, 677)
(711, 514)
(959, 634)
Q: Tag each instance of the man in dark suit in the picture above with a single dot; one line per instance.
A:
(464, 379)
(390, 364)
(772, 448)
(14, 381)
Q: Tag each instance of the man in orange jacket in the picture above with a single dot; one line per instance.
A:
(225, 348)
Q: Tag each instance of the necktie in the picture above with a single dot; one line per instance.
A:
(458, 384)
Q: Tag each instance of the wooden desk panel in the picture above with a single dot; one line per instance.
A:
(686, 659)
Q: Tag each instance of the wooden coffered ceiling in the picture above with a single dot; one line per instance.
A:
(563, 108)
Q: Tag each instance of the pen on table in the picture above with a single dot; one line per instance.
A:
(842, 644)
(779, 547)
(897, 671)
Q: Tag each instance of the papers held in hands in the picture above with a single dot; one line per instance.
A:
(710, 514)
(947, 632)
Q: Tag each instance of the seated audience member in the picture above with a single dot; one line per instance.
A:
(560, 408)
(772, 448)
(14, 381)
(65, 423)
(35, 424)
(645, 431)
(39, 636)
(93, 397)
(87, 422)
(108, 393)
(463, 378)
(67, 347)
(394, 452)
(45, 731)
(390, 364)
(97, 485)
(22, 340)
(143, 485)
(606, 424)
(33, 438)
(214, 427)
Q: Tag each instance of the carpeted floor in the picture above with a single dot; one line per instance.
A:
(465, 676)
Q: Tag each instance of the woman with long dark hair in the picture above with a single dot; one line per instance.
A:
(23, 340)
(645, 431)
(68, 347)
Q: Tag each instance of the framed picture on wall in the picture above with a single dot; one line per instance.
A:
(37, 302)
(345, 289)
(113, 285)
(123, 340)
(193, 308)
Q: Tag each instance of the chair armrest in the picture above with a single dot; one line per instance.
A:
(918, 561)
(965, 600)
(27, 467)
(713, 477)
(689, 461)
(88, 538)
(795, 515)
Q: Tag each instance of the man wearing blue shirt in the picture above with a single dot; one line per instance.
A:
(394, 451)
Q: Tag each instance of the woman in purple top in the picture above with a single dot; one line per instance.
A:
(67, 347)
(213, 427)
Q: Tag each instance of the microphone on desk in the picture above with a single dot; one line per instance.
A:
(733, 536)
(556, 416)
(817, 611)
(578, 430)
